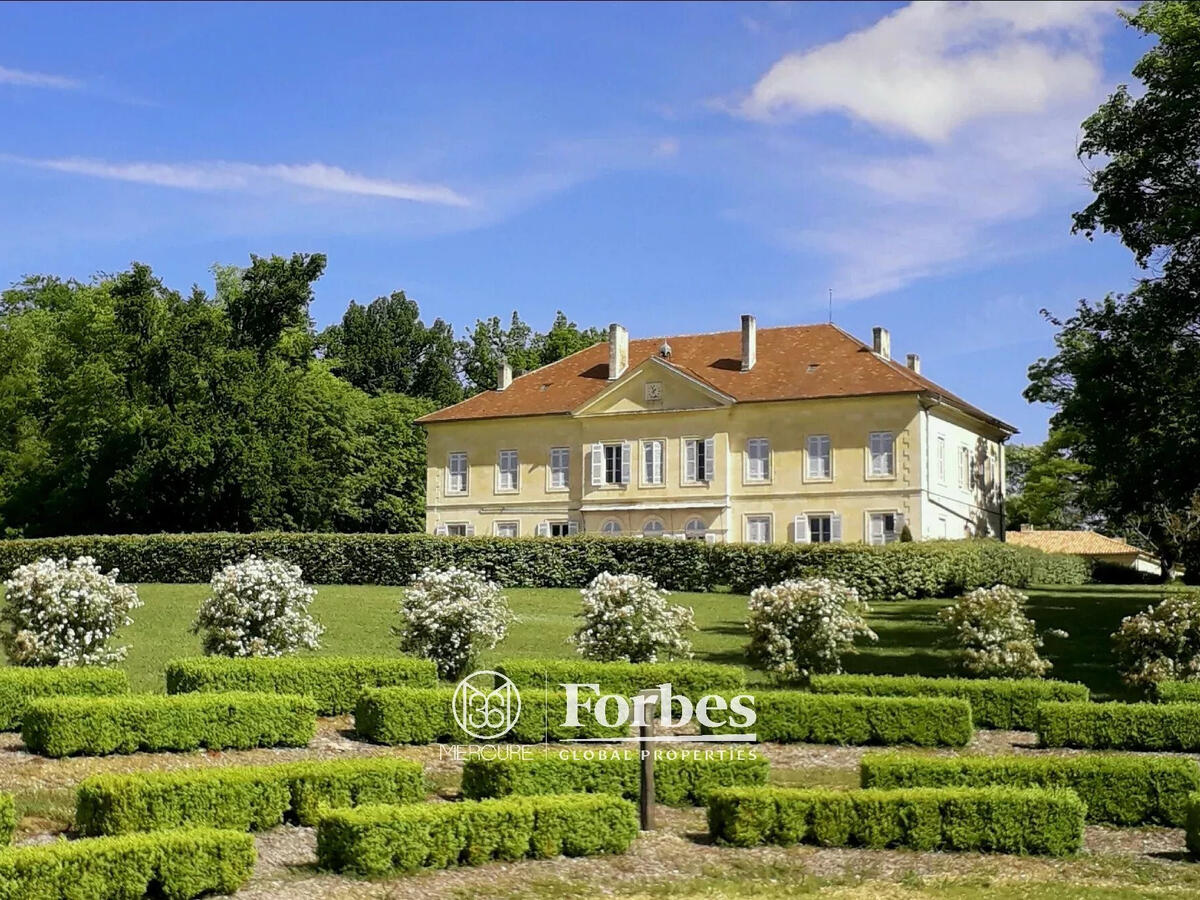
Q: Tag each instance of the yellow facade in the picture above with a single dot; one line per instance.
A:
(654, 404)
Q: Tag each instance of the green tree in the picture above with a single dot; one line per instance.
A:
(525, 350)
(1044, 487)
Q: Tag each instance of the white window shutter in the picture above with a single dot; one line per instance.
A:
(543, 528)
(572, 527)
(597, 465)
(441, 530)
(470, 530)
(899, 524)
(835, 528)
(690, 464)
(709, 452)
(802, 534)
(710, 537)
(626, 461)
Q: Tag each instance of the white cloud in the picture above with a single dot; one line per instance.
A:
(931, 67)
(37, 79)
(233, 176)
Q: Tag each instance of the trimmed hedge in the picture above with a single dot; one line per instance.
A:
(896, 571)
(677, 781)
(1118, 789)
(800, 717)
(378, 840)
(8, 818)
(1192, 825)
(175, 864)
(1177, 692)
(246, 798)
(333, 681)
(426, 716)
(995, 702)
(689, 679)
(991, 819)
(1120, 726)
(19, 685)
(69, 726)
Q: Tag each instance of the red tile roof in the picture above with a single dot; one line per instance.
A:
(1083, 543)
(796, 362)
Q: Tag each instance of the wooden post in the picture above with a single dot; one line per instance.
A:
(646, 749)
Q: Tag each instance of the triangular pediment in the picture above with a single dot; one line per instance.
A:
(654, 386)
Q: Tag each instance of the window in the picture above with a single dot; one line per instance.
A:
(610, 526)
(698, 460)
(560, 468)
(459, 529)
(506, 471)
(758, 529)
(758, 459)
(820, 461)
(695, 529)
(817, 528)
(559, 528)
(820, 529)
(652, 462)
(941, 459)
(882, 446)
(987, 471)
(456, 482)
(653, 528)
(611, 463)
(884, 528)
(964, 466)
(943, 532)
(974, 469)
(508, 529)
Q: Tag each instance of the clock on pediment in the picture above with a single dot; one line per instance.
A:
(653, 391)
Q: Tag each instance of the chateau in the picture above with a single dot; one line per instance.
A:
(800, 433)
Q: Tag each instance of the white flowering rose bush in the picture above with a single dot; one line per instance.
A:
(994, 637)
(628, 617)
(257, 607)
(64, 613)
(449, 616)
(804, 627)
(1161, 643)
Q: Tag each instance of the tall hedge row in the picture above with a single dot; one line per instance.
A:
(897, 571)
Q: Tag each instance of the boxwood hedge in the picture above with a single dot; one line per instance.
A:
(1177, 692)
(377, 840)
(95, 726)
(689, 679)
(681, 778)
(800, 717)
(897, 571)
(990, 819)
(175, 864)
(8, 818)
(1192, 825)
(995, 702)
(1120, 726)
(333, 681)
(20, 685)
(1117, 789)
(247, 798)
(426, 716)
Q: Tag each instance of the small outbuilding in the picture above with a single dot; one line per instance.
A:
(1091, 544)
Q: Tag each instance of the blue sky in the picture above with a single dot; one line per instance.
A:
(665, 166)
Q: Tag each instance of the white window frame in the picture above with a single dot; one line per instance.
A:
(466, 474)
(871, 454)
(887, 537)
(659, 446)
(802, 526)
(827, 441)
(763, 462)
(964, 466)
(941, 459)
(459, 529)
(513, 523)
(605, 529)
(658, 532)
(566, 527)
(690, 469)
(697, 534)
(564, 453)
(751, 518)
(598, 464)
(514, 471)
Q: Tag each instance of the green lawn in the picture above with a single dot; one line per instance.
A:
(358, 619)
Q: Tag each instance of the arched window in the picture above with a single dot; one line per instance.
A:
(610, 526)
(695, 528)
(653, 528)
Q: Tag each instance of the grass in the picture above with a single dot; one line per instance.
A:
(358, 619)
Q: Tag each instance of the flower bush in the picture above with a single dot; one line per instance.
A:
(627, 617)
(449, 615)
(60, 613)
(995, 638)
(803, 627)
(257, 607)
(1162, 643)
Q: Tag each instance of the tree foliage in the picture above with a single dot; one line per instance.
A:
(1044, 486)
(525, 350)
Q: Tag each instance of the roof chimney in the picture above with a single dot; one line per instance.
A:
(503, 375)
(914, 363)
(749, 343)
(618, 351)
(881, 342)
